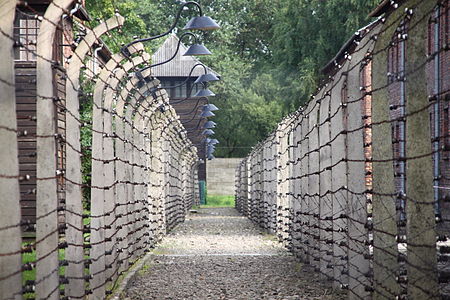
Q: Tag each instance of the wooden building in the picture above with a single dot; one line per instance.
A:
(175, 73)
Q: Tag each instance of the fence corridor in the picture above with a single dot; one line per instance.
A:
(95, 165)
(356, 182)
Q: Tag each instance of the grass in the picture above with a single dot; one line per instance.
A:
(31, 258)
(219, 201)
(31, 275)
(145, 269)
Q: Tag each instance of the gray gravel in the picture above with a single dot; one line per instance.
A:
(217, 254)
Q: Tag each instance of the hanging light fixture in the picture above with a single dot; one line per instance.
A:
(207, 114)
(197, 50)
(209, 125)
(208, 132)
(196, 23)
(206, 78)
(201, 23)
(210, 107)
(205, 92)
(210, 148)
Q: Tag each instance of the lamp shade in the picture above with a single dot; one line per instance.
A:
(201, 23)
(213, 141)
(208, 132)
(206, 78)
(209, 107)
(204, 93)
(209, 125)
(207, 114)
(196, 50)
(211, 157)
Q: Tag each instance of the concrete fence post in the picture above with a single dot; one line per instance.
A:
(385, 248)
(325, 191)
(121, 164)
(421, 226)
(11, 280)
(47, 266)
(339, 194)
(314, 182)
(305, 216)
(74, 211)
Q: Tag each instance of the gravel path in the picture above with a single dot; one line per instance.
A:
(218, 254)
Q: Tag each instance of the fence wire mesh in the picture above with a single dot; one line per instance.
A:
(96, 165)
(356, 182)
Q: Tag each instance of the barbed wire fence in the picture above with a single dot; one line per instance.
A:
(142, 179)
(356, 183)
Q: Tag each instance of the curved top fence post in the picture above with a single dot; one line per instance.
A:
(47, 278)
(74, 206)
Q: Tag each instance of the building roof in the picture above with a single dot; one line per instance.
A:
(180, 66)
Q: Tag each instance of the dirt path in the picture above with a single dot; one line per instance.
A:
(217, 254)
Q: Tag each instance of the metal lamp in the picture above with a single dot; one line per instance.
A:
(196, 23)
(208, 132)
(209, 125)
(205, 92)
(207, 77)
(210, 107)
(201, 23)
(207, 114)
(196, 50)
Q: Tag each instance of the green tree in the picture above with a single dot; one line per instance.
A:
(308, 33)
(133, 26)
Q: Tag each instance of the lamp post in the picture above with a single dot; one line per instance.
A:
(199, 22)
(196, 23)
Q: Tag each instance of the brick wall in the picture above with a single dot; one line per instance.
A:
(438, 90)
(366, 89)
(395, 63)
